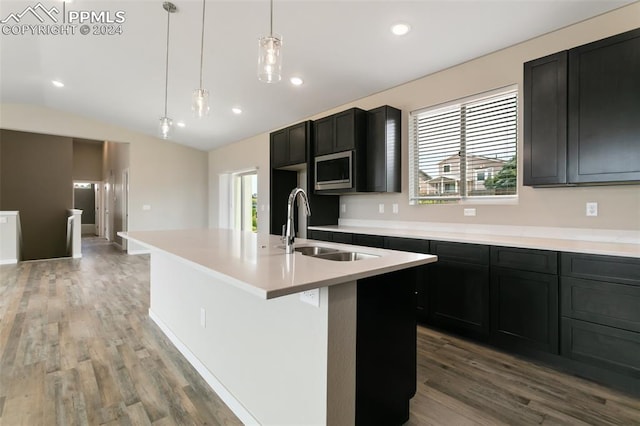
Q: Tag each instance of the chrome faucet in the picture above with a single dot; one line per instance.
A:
(289, 231)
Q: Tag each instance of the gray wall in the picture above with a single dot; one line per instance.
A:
(87, 160)
(36, 180)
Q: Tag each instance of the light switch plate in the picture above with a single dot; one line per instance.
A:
(3, 219)
(394, 207)
(592, 209)
(343, 208)
(380, 208)
(146, 207)
(469, 212)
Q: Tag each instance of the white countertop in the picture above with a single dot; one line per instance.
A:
(257, 262)
(497, 239)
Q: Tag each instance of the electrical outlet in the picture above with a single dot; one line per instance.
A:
(469, 212)
(312, 297)
(146, 207)
(203, 318)
(380, 208)
(3, 219)
(343, 208)
(592, 209)
(394, 207)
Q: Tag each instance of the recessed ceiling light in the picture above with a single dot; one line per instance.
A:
(296, 81)
(181, 124)
(400, 29)
(236, 110)
(57, 83)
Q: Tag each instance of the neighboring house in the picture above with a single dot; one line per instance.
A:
(479, 169)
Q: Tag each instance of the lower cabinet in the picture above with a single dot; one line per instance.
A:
(524, 299)
(524, 310)
(600, 308)
(386, 345)
(458, 291)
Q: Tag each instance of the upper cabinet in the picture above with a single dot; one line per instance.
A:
(581, 118)
(340, 132)
(383, 149)
(289, 145)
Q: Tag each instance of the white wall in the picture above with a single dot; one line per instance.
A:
(619, 206)
(252, 153)
(171, 178)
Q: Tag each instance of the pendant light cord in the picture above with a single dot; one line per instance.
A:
(166, 69)
(271, 20)
(202, 43)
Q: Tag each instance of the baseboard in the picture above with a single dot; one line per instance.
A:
(236, 406)
(8, 261)
(140, 251)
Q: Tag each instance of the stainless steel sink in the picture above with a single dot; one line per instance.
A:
(345, 256)
(336, 255)
(314, 250)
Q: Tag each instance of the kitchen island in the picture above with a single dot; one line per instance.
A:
(230, 302)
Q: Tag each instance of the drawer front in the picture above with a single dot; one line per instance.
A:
(368, 240)
(407, 244)
(617, 305)
(342, 237)
(319, 235)
(607, 347)
(460, 252)
(525, 259)
(623, 270)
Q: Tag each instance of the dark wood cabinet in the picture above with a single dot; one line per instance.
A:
(545, 121)
(458, 294)
(368, 240)
(415, 246)
(339, 132)
(600, 308)
(289, 146)
(524, 299)
(383, 150)
(604, 107)
(581, 112)
(385, 348)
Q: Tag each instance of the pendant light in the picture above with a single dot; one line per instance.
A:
(200, 103)
(270, 55)
(166, 123)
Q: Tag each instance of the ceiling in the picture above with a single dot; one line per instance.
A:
(342, 49)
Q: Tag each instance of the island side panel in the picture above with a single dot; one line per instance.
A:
(269, 355)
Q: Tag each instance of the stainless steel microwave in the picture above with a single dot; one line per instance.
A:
(334, 171)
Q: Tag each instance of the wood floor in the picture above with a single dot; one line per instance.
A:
(77, 348)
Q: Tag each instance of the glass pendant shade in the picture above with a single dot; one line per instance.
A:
(270, 58)
(200, 102)
(166, 125)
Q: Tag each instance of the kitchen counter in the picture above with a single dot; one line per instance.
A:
(257, 262)
(229, 301)
(564, 240)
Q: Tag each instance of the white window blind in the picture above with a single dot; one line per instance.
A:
(467, 149)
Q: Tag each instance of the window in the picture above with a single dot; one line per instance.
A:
(463, 150)
(245, 195)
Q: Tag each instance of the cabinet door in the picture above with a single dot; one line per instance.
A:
(298, 143)
(545, 120)
(459, 297)
(342, 237)
(383, 149)
(319, 235)
(416, 246)
(345, 131)
(279, 148)
(524, 310)
(324, 134)
(604, 110)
